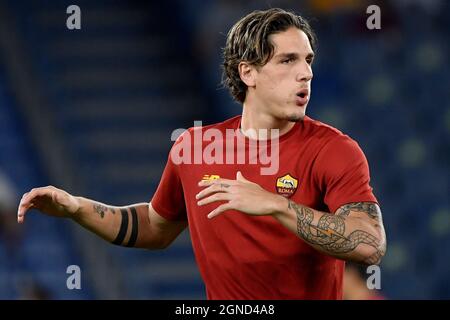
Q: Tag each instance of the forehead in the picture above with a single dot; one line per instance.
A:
(291, 40)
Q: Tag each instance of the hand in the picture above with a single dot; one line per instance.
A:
(49, 200)
(240, 194)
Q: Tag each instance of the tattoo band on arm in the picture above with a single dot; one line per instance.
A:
(134, 228)
(125, 213)
(123, 228)
(329, 232)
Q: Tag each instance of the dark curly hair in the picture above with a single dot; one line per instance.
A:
(248, 40)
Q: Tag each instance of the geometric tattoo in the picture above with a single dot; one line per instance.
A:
(134, 228)
(329, 232)
(124, 228)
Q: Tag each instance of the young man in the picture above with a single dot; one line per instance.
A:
(279, 235)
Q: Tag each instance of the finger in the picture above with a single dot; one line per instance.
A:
(23, 203)
(205, 183)
(222, 187)
(219, 210)
(26, 202)
(22, 210)
(38, 192)
(215, 197)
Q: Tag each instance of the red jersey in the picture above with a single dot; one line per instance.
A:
(255, 257)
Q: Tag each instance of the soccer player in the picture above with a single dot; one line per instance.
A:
(284, 235)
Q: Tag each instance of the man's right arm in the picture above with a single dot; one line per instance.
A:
(137, 225)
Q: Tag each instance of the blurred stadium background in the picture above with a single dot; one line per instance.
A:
(91, 111)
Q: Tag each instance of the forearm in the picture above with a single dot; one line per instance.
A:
(137, 225)
(118, 225)
(345, 237)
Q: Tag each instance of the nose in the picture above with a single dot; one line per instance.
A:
(305, 73)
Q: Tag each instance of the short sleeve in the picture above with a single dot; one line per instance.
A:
(343, 173)
(168, 200)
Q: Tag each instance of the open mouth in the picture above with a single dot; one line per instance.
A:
(302, 93)
(302, 97)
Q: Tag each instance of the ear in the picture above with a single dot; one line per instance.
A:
(247, 72)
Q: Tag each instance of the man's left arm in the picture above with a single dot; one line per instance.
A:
(354, 232)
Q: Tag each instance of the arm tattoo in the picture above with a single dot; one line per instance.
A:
(371, 209)
(124, 228)
(134, 228)
(329, 233)
(101, 209)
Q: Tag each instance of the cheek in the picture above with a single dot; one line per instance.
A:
(272, 81)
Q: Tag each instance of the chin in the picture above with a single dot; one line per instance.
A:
(296, 117)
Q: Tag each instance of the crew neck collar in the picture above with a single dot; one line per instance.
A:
(280, 139)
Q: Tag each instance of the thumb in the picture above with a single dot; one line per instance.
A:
(56, 198)
(61, 199)
(240, 177)
(66, 201)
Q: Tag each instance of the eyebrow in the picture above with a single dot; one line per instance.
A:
(292, 55)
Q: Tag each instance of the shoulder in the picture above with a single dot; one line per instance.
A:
(335, 149)
(319, 129)
(327, 136)
(232, 123)
(187, 135)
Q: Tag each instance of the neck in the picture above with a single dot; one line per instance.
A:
(256, 120)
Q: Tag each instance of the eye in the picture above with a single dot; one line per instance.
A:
(309, 60)
(287, 61)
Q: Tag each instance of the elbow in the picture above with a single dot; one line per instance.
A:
(374, 246)
(159, 244)
(376, 257)
(374, 254)
(151, 243)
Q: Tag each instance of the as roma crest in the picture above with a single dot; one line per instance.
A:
(287, 185)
